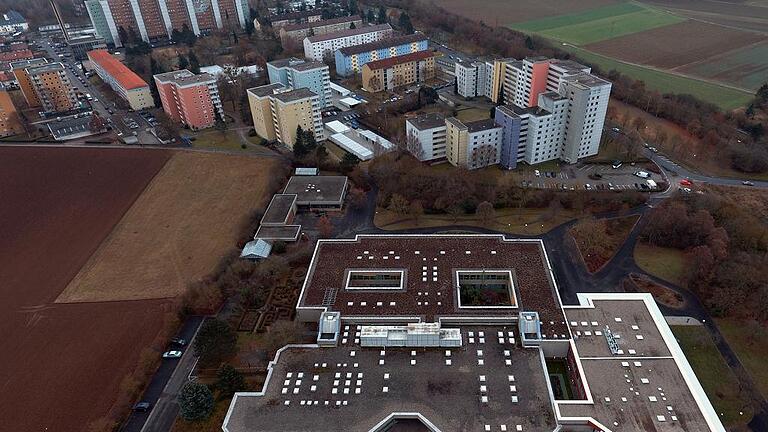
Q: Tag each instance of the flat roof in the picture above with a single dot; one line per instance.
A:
(279, 209)
(431, 293)
(446, 395)
(117, 70)
(294, 95)
(384, 43)
(405, 58)
(317, 190)
(320, 23)
(282, 232)
(265, 90)
(349, 32)
(184, 77)
(297, 64)
(427, 121)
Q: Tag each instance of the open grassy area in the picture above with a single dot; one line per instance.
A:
(725, 97)
(718, 380)
(215, 139)
(751, 345)
(513, 221)
(472, 114)
(666, 263)
(582, 17)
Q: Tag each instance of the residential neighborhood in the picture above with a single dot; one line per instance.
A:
(384, 215)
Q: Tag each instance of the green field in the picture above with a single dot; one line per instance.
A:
(665, 263)
(746, 67)
(750, 345)
(599, 24)
(713, 373)
(724, 97)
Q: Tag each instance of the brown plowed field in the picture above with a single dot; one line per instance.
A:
(61, 365)
(675, 45)
(178, 230)
(504, 12)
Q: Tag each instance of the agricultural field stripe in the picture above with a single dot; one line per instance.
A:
(577, 18)
(612, 27)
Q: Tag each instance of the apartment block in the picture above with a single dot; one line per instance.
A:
(45, 85)
(426, 136)
(193, 100)
(277, 21)
(524, 80)
(480, 78)
(467, 78)
(350, 60)
(156, 19)
(10, 124)
(393, 72)
(319, 46)
(473, 145)
(278, 110)
(298, 73)
(297, 32)
(129, 86)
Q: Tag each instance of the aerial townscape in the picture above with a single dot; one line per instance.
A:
(384, 215)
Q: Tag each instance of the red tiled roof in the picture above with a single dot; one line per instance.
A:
(391, 61)
(124, 76)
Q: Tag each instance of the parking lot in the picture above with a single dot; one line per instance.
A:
(591, 177)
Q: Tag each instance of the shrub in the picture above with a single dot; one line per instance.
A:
(195, 401)
(229, 381)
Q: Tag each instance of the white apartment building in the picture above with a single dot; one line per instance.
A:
(319, 46)
(466, 78)
(429, 132)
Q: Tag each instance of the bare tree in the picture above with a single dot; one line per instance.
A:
(413, 146)
(485, 212)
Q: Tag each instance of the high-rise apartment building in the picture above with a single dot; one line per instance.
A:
(45, 85)
(425, 136)
(193, 100)
(317, 47)
(350, 60)
(10, 124)
(480, 78)
(156, 19)
(123, 81)
(277, 112)
(473, 145)
(297, 73)
(394, 72)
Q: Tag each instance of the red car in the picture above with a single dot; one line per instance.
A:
(685, 182)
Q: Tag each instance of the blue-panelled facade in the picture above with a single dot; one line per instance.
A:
(510, 140)
(351, 60)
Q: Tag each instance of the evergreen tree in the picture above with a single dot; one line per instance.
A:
(299, 146)
(229, 380)
(195, 401)
(404, 23)
(529, 43)
(183, 62)
(194, 63)
(352, 26)
(352, 6)
(370, 16)
(382, 17)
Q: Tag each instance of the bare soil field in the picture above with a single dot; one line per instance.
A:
(744, 15)
(61, 365)
(675, 45)
(503, 12)
(178, 229)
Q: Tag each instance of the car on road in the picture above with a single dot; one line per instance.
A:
(685, 190)
(616, 129)
(686, 182)
(172, 354)
(142, 406)
(616, 164)
(537, 173)
(179, 341)
(653, 149)
(747, 183)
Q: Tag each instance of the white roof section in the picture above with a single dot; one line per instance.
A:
(337, 127)
(306, 171)
(256, 249)
(351, 146)
(375, 138)
(349, 101)
(339, 89)
(214, 70)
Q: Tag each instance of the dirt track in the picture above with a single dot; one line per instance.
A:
(61, 365)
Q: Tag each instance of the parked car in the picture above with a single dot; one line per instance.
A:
(172, 354)
(686, 182)
(747, 183)
(616, 164)
(537, 173)
(142, 406)
(643, 174)
(179, 341)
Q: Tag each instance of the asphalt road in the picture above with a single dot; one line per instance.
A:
(165, 386)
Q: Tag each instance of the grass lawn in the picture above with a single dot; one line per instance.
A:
(751, 345)
(724, 97)
(473, 114)
(214, 139)
(611, 27)
(666, 263)
(718, 380)
(513, 221)
(586, 16)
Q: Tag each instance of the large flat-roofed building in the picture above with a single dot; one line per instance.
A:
(10, 123)
(297, 73)
(318, 192)
(129, 86)
(350, 60)
(278, 110)
(468, 333)
(297, 32)
(320, 46)
(398, 71)
(12, 22)
(81, 44)
(152, 20)
(280, 20)
(193, 100)
(472, 145)
(425, 136)
(45, 85)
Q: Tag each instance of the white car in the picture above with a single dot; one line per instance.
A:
(537, 173)
(172, 354)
